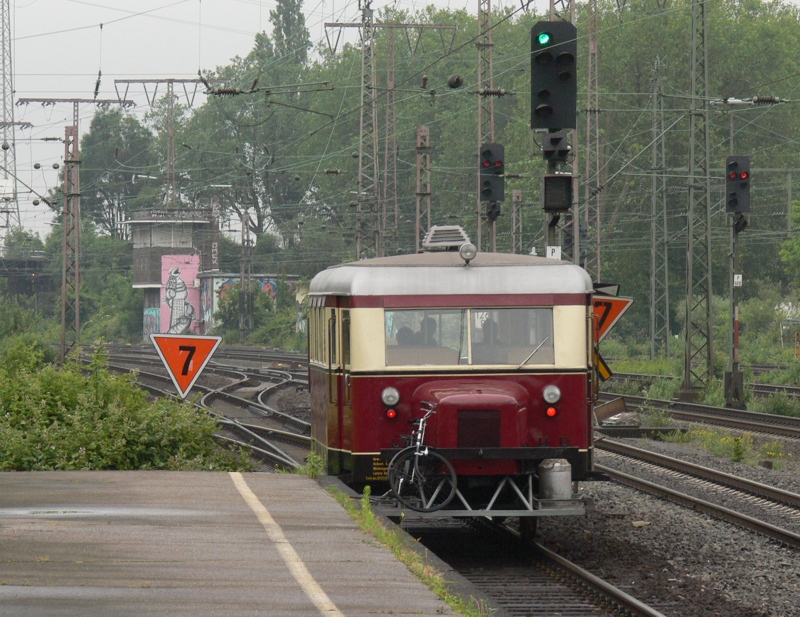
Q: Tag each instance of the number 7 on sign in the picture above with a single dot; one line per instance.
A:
(184, 357)
(191, 349)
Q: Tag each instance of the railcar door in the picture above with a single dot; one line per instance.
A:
(334, 442)
(345, 395)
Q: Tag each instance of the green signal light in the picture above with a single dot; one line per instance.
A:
(544, 38)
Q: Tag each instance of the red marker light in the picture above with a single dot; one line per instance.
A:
(498, 163)
(551, 412)
(391, 414)
(732, 175)
(744, 175)
(487, 163)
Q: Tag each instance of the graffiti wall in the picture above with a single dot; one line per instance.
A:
(180, 301)
(215, 288)
(152, 322)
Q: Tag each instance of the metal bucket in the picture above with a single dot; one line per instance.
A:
(555, 479)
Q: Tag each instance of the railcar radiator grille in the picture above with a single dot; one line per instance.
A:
(478, 428)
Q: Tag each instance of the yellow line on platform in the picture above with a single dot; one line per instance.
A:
(287, 552)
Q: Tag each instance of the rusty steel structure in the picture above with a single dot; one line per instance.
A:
(698, 346)
(71, 245)
(9, 202)
(516, 221)
(423, 201)
(377, 224)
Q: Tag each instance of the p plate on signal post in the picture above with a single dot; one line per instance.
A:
(553, 252)
(185, 357)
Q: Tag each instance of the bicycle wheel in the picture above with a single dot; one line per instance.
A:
(424, 481)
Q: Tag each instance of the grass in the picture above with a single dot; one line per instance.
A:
(396, 542)
(653, 417)
(738, 448)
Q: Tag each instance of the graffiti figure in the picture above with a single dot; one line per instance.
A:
(182, 312)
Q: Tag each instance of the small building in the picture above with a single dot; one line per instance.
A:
(170, 248)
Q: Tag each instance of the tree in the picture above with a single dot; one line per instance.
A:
(21, 244)
(116, 160)
(289, 32)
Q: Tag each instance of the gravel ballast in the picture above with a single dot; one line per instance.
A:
(683, 562)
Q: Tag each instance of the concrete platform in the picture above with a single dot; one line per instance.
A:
(191, 543)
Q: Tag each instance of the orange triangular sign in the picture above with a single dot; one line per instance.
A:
(185, 357)
(607, 311)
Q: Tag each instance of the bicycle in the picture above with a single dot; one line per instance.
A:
(420, 478)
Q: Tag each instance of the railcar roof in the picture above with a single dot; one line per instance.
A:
(444, 273)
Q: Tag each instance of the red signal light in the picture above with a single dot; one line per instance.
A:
(487, 163)
(498, 163)
(744, 175)
(551, 412)
(391, 414)
(732, 175)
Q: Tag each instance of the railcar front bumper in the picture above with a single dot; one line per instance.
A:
(506, 495)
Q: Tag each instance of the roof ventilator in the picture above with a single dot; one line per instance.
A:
(444, 238)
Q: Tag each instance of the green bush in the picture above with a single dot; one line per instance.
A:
(60, 418)
(778, 404)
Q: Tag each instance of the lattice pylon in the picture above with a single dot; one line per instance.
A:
(389, 201)
(423, 200)
(516, 221)
(70, 269)
(9, 206)
(368, 233)
(698, 344)
(659, 255)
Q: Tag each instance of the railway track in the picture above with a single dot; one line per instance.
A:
(523, 579)
(785, 426)
(758, 389)
(767, 510)
(278, 438)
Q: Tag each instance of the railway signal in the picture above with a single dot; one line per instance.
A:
(554, 80)
(555, 146)
(557, 192)
(185, 357)
(737, 184)
(492, 172)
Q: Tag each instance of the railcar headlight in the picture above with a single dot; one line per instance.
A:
(468, 252)
(552, 394)
(390, 396)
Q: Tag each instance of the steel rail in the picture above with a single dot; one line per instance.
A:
(742, 520)
(617, 596)
(273, 453)
(786, 426)
(759, 389)
(706, 473)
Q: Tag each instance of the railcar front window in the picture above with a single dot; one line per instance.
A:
(426, 337)
(512, 336)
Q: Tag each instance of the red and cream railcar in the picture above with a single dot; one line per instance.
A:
(502, 345)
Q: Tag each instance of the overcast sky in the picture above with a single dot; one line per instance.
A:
(59, 46)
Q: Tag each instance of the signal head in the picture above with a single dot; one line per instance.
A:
(554, 50)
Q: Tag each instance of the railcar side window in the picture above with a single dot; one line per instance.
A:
(425, 337)
(512, 336)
